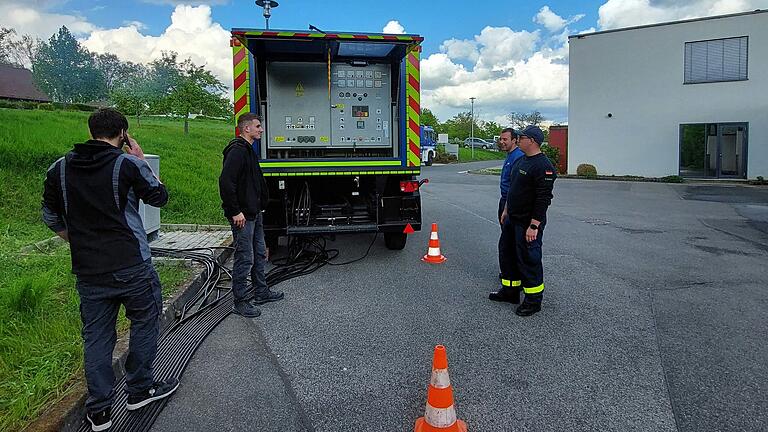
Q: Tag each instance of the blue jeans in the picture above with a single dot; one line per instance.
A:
(250, 258)
(138, 289)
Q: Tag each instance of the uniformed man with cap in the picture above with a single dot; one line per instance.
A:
(525, 215)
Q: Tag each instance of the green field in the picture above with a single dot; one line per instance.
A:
(40, 346)
(465, 155)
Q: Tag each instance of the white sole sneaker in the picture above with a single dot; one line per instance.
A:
(101, 427)
(149, 400)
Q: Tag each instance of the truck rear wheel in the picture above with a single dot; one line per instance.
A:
(430, 159)
(395, 241)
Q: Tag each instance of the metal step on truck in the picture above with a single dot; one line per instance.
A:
(340, 151)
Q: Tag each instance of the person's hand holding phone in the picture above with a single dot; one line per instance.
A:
(132, 147)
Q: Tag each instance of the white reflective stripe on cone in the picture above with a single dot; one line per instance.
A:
(440, 417)
(440, 379)
(433, 236)
(434, 252)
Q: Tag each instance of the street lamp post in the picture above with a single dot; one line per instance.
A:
(472, 126)
(267, 5)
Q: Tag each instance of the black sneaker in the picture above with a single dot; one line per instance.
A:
(246, 309)
(159, 390)
(101, 420)
(269, 296)
(505, 295)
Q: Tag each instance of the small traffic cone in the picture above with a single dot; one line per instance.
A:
(440, 414)
(433, 255)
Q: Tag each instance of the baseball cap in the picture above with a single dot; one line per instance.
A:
(534, 133)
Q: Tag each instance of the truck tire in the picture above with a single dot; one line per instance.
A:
(395, 241)
(430, 159)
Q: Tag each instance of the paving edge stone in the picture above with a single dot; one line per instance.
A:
(194, 227)
(68, 413)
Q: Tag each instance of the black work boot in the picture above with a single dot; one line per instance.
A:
(531, 305)
(510, 295)
(268, 296)
(246, 309)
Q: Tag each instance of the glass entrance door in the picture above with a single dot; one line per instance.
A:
(713, 150)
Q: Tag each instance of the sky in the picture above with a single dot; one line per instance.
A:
(510, 55)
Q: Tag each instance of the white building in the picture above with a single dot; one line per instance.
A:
(688, 98)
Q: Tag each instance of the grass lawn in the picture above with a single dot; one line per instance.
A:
(40, 346)
(465, 155)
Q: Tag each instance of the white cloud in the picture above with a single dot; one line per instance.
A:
(192, 33)
(393, 27)
(628, 13)
(31, 18)
(460, 49)
(552, 21)
(510, 71)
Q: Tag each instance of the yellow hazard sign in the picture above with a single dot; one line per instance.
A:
(299, 90)
(324, 139)
(279, 139)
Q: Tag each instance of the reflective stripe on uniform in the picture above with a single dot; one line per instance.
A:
(534, 290)
(517, 283)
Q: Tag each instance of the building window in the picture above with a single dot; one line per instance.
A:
(716, 60)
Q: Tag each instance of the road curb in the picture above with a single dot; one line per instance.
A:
(68, 413)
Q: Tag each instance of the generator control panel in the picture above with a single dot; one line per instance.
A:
(361, 108)
(298, 113)
(310, 108)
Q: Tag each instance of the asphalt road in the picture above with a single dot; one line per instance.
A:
(654, 319)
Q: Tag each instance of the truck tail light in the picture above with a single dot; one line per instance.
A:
(409, 186)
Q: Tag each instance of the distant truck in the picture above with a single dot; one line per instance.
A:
(428, 145)
(341, 147)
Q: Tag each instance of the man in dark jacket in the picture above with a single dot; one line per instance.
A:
(525, 214)
(244, 197)
(91, 199)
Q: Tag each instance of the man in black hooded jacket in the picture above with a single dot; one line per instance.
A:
(91, 199)
(244, 197)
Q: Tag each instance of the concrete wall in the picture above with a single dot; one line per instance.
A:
(637, 75)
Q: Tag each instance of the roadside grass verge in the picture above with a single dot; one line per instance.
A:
(465, 155)
(40, 345)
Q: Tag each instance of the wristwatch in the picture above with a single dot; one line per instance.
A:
(533, 227)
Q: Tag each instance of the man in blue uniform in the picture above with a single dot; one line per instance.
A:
(525, 215)
(508, 143)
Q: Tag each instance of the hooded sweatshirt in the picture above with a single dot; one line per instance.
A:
(241, 184)
(93, 193)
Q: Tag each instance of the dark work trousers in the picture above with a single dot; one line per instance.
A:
(138, 289)
(510, 276)
(522, 260)
(250, 258)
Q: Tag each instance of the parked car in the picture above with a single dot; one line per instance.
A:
(479, 143)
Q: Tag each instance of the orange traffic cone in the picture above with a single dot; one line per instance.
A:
(440, 414)
(433, 255)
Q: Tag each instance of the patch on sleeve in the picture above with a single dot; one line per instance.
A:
(549, 175)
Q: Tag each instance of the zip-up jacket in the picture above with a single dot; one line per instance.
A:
(512, 157)
(241, 184)
(93, 193)
(530, 189)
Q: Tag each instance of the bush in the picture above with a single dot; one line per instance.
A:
(586, 170)
(553, 153)
(671, 179)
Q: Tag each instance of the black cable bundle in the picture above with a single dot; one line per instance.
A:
(205, 310)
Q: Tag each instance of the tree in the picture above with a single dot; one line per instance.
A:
(520, 120)
(24, 50)
(6, 35)
(491, 129)
(196, 90)
(429, 119)
(459, 126)
(133, 93)
(66, 71)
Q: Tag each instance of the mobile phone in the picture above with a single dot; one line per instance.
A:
(126, 141)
